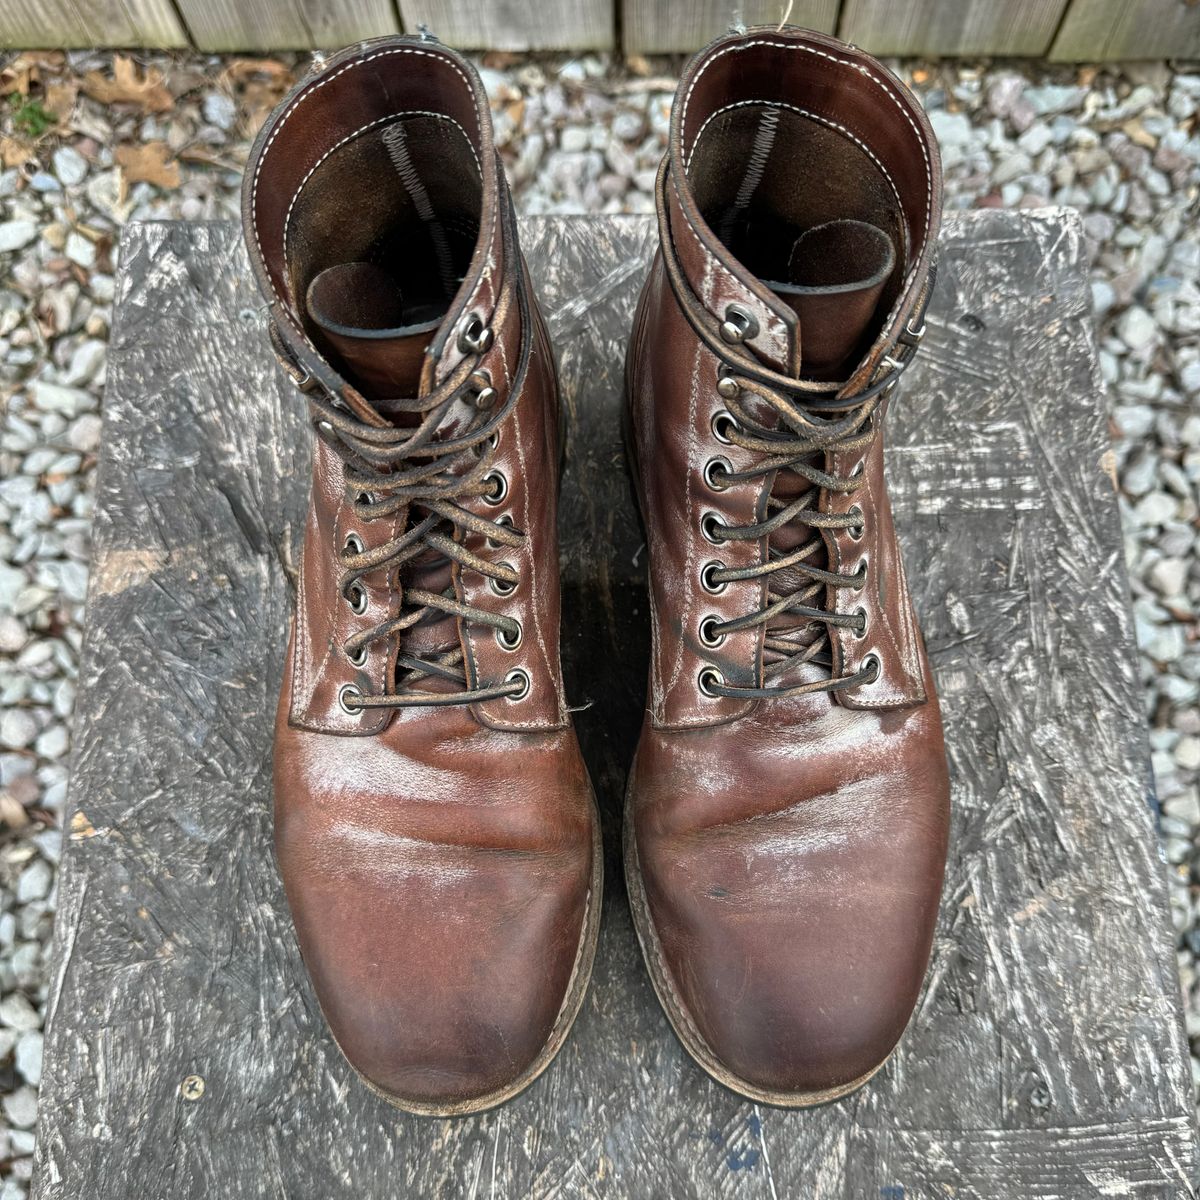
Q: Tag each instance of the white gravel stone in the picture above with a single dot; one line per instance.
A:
(28, 1059)
(17, 1013)
(15, 234)
(17, 729)
(70, 166)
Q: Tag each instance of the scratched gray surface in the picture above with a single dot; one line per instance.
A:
(1046, 1058)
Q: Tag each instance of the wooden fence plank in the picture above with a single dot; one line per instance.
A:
(285, 24)
(655, 27)
(515, 24)
(952, 27)
(43, 24)
(1110, 29)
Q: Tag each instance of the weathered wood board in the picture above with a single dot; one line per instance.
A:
(655, 27)
(952, 27)
(1116, 29)
(285, 24)
(186, 1055)
(515, 24)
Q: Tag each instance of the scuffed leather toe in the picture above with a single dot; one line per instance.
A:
(795, 942)
(440, 1013)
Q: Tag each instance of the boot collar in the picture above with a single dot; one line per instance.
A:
(838, 86)
(363, 86)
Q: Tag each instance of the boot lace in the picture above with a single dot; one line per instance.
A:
(411, 478)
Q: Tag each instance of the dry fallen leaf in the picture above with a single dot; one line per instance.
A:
(129, 85)
(149, 163)
(59, 100)
(14, 152)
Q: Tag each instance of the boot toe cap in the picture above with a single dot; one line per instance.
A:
(443, 972)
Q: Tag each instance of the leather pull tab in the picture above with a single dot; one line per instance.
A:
(360, 309)
(836, 276)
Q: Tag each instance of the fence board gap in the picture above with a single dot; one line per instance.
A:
(285, 24)
(515, 24)
(1103, 30)
(655, 27)
(1021, 28)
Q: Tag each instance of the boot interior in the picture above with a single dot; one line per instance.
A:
(404, 196)
(763, 176)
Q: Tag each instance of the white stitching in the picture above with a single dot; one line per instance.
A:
(287, 220)
(287, 116)
(823, 120)
(841, 62)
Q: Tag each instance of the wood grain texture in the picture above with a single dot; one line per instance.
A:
(39, 24)
(515, 24)
(1114, 29)
(285, 24)
(660, 27)
(952, 27)
(1046, 1058)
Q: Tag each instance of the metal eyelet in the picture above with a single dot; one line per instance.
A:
(872, 664)
(356, 597)
(860, 574)
(505, 520)
(915, 336)
(502, 587)
(739, 325)
(508, 641)
(856, 530)
(727, 386)
(499, 488)
(479, 388)
(359, 659)
(363, 499)
(861, 614)
(518, 675)
(721, 420)
(353, 544)
(859, 468)
(710, 636)
(476, 337)
(709, 524)
(713, 468)
(324, 427)
(344, 693)
(710, 585)
(709, 678)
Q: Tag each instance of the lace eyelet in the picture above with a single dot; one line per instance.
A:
(324, 427)
(859, 468)
(709, 678)
(721, 420)
(710, 636)
(860, 575)
(510, 642)
(499, 488)
(521, 676)
(359, 659)
(504, 520)
(363, 499)
(861, 614)
(871, 663)
(709, 524)
(500, 586)
(856, 530)
(356, 596)
(345, 692)
(710, 585)
(476, 337)
(713, 469)
(353, 544)
(740, 324)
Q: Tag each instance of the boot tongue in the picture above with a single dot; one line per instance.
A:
(380, 337)
(382, 340)
(836, 274)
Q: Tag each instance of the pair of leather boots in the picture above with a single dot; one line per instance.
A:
(785, 830)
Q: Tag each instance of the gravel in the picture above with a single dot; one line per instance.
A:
(583, 134)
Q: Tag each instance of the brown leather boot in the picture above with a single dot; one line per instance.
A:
(434, 823)
(788, 805)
